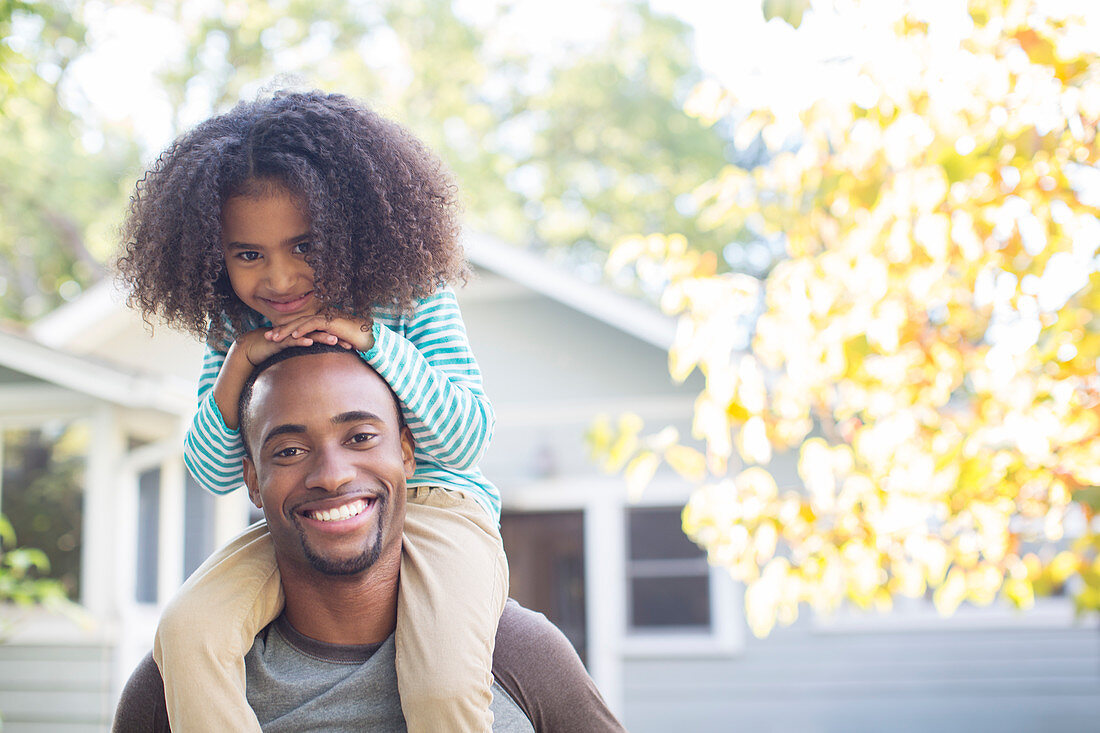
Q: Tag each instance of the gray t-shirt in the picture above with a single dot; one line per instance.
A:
(295, 683)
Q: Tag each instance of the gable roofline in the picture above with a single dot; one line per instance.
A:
(88, 376)
(99, 303)
(632, 316)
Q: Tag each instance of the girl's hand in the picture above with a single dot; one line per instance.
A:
(257, 345)
(247, 351)
(349, 333)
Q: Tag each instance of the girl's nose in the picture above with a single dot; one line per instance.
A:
(282, 276)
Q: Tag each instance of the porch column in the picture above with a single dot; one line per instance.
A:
(170, 528)
(605, 544)
(230, 515)
(101, 522)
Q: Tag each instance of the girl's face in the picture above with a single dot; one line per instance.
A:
(264, 240)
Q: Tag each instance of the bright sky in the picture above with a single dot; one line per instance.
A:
(761, 61)
(728, 37)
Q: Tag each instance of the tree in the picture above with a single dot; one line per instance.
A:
(569, 152)
(612, 150)
(929, 344)
(565, 153)
(60, 192)
(43, 480)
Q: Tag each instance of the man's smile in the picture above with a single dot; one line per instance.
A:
(344, 511)
(337, 516)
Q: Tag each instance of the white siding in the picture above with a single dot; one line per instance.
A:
(799, 679)
(55, 688)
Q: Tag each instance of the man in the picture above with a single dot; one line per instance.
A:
(326, 442)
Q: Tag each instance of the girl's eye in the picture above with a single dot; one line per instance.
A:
(248, 256)
(301, 248)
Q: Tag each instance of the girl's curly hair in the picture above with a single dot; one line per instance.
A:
(382, 210)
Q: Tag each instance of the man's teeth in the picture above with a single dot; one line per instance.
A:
(340, 512)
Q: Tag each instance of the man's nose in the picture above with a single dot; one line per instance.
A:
(331, 469)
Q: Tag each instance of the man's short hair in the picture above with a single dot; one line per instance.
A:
(243, 416)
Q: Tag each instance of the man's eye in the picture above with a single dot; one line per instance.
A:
(362, 437)
(288, 452)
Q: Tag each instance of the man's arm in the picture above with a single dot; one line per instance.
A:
(141, 707)
(538, 667)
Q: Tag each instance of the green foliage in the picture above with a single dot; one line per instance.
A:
(43, 474)
(790, 11)
(614, 153)
(23, 580)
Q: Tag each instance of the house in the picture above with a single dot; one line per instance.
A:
(660, 630)
(89, 376)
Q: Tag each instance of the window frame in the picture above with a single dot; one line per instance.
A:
(725, 637)
(662, 568)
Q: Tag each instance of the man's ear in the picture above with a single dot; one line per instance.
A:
(249, 470)
(407, 456)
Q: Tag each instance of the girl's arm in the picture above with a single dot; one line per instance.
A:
(433, 372)
(213, 448)
(212, 451)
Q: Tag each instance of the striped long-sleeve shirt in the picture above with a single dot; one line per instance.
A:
(426, 359)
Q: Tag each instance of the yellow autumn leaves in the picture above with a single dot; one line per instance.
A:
(927, 352)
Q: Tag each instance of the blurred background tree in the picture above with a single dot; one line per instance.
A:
(928, 345)
(42, 478)
(61, 189)
(565, 152)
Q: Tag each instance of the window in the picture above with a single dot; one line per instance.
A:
(148, 537)
(668, 578)
(198, 532)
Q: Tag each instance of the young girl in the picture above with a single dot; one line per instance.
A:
(305, 218)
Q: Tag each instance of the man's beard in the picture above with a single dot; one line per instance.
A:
(351, 565)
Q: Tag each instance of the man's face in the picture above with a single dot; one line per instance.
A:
(328, 463)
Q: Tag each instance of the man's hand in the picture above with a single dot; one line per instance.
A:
(349, 333)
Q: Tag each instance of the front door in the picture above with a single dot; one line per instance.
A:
(546, 567)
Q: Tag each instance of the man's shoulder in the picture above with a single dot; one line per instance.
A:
(537, 665)
(533, 663)
(141, 707)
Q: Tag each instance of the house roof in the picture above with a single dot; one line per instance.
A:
(87, 375)
(60, 327)
(623, 312)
